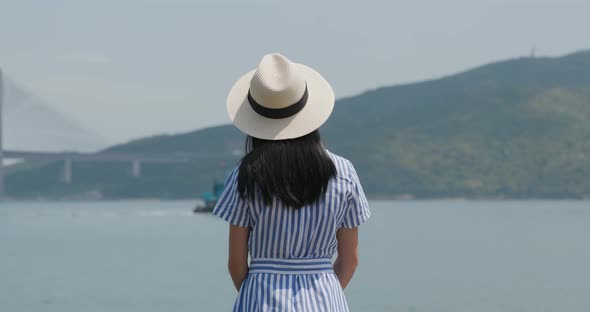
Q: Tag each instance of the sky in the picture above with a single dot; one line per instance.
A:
(128, 69)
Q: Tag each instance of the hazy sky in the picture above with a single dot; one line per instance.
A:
(127, 69)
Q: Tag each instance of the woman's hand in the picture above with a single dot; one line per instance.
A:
(348, 257)
(238, 254)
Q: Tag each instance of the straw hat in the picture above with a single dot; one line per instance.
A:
(280, 100)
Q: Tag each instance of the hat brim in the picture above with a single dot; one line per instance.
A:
(318, 108)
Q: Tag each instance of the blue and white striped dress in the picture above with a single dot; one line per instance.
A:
(291, 249)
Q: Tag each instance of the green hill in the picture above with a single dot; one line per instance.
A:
(518, 128)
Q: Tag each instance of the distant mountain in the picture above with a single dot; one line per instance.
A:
(518, 129)
(32, 124)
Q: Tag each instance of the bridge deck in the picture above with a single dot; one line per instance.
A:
(123, 157)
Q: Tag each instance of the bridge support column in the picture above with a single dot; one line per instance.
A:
(136, 168)
(68, 171)
(1, 146)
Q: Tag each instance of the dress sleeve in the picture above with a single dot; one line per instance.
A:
(357, 211)
(230, 206)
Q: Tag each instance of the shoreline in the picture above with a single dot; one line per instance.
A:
(370, 198)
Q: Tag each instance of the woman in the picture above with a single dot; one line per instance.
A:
(291, 204)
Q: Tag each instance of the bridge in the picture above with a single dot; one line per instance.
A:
(135, 159)
(68, 157)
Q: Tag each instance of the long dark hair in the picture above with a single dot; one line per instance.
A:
(296, 171)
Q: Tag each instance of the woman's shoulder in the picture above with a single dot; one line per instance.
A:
(344, 167)
(337, 158)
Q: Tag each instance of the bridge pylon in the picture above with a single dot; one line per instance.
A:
(1, 146)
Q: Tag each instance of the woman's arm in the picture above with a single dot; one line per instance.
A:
(238, 254)
(348, 257)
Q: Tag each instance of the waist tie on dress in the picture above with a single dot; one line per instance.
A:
(291, 266)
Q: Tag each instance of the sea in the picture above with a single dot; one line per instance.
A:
(415, 256)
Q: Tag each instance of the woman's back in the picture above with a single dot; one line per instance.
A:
(278, 231)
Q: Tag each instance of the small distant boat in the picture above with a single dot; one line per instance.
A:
(206, 206)
(209, 199)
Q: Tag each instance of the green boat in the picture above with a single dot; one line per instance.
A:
(209, 199)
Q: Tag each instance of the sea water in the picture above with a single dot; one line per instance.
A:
(522, 256)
